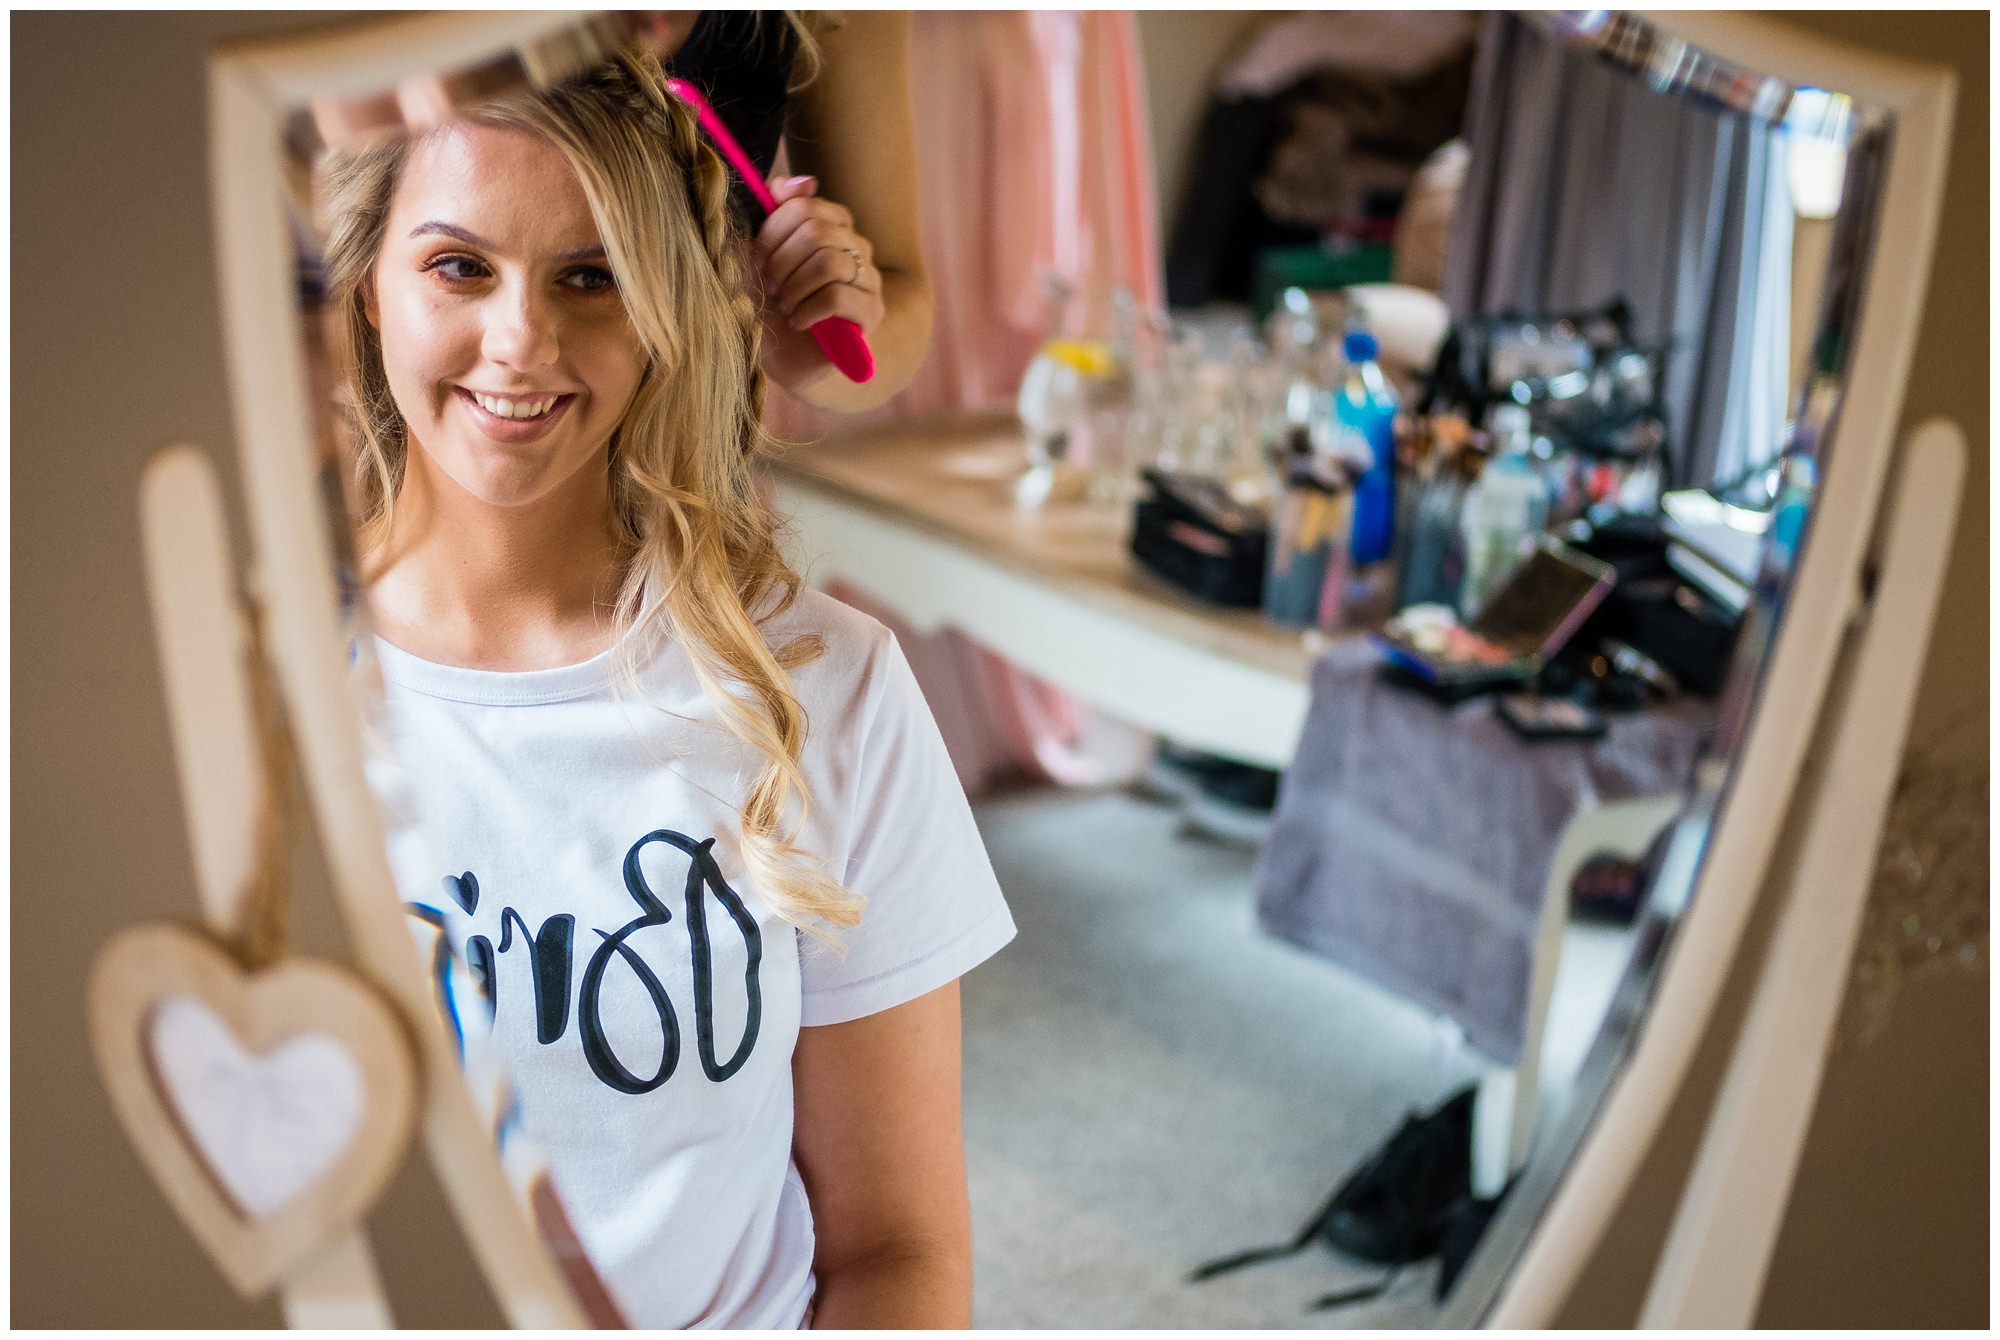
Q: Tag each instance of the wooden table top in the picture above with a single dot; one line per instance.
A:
(954, 479)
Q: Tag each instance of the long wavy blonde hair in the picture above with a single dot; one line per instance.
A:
(699, 544)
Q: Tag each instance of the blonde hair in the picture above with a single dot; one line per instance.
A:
(702, 560)
(806, 26)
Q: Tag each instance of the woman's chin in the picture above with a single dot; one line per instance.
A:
(500, 476)
(449, 463)
(505, 487)
(512, 493)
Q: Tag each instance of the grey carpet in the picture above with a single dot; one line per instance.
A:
(1151, 1082)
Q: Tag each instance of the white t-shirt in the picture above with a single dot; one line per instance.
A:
(646, 999)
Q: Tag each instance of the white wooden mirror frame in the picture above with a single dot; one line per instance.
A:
(255, 84)
(1825, 600)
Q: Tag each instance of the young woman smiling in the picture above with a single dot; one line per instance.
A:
(833, 91)
(676, 801)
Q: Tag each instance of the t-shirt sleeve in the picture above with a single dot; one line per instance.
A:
(934, 910)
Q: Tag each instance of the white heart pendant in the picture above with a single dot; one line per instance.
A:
(271, 1107)
(267, 1126)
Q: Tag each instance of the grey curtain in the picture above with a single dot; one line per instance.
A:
(1585, 185)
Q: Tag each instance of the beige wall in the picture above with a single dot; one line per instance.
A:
(116, 350)
(1889, 1223)
(1184, 51)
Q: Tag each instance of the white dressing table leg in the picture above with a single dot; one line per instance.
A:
(1509, 1097)
(1498, 1127)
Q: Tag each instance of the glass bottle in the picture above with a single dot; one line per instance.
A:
(1508, 505)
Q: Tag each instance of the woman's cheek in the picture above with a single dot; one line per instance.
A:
(612, 365)
(427, 342)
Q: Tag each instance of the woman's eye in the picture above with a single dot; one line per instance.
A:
(590, 279)
(457, 269)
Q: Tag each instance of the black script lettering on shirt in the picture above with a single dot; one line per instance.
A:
(596, 1046)
(548, 960)
(551, 957)
(706, 872)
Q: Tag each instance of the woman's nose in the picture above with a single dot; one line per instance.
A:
(521, 330)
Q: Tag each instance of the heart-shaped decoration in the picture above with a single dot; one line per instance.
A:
(267, 1126)
(271, 1106)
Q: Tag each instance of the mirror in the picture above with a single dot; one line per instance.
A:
(1654, 265)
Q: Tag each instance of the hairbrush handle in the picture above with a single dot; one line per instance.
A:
(838, 338)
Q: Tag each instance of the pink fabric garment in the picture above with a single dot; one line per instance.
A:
(1032, 154)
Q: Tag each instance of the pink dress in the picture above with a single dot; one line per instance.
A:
(1035, 155)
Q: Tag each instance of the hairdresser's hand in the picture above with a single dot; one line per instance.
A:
(813, 265)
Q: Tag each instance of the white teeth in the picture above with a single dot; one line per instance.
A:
(515, 409)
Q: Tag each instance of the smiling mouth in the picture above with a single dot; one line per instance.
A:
(515, 420)
(516, 409)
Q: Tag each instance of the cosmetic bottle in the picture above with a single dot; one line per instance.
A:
(1306, 578)
(1508, 505)
(1365, 417)
(1430, 561)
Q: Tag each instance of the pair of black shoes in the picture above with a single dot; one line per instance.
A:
(1395, 1207)
(1409, 1201)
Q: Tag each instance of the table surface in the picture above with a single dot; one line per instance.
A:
(954, 479)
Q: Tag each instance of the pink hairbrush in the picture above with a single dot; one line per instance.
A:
(838, 338)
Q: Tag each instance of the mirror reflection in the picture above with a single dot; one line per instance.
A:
(1278, 614)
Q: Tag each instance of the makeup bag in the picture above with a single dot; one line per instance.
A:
(1190, 532)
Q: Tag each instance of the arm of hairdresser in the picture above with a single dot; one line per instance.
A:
(852, 149)
(878, 1143)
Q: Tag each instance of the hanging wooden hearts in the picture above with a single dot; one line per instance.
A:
(270, 1106)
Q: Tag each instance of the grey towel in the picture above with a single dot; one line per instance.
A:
(1412, 841)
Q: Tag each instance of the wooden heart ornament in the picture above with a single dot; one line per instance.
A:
(270, 1106)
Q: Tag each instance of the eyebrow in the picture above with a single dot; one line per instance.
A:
(443, 229)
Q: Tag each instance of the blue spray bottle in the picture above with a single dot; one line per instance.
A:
(1365, 413)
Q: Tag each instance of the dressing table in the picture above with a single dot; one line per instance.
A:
(922, 516)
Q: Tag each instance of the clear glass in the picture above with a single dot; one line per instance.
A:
(1077, 395)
